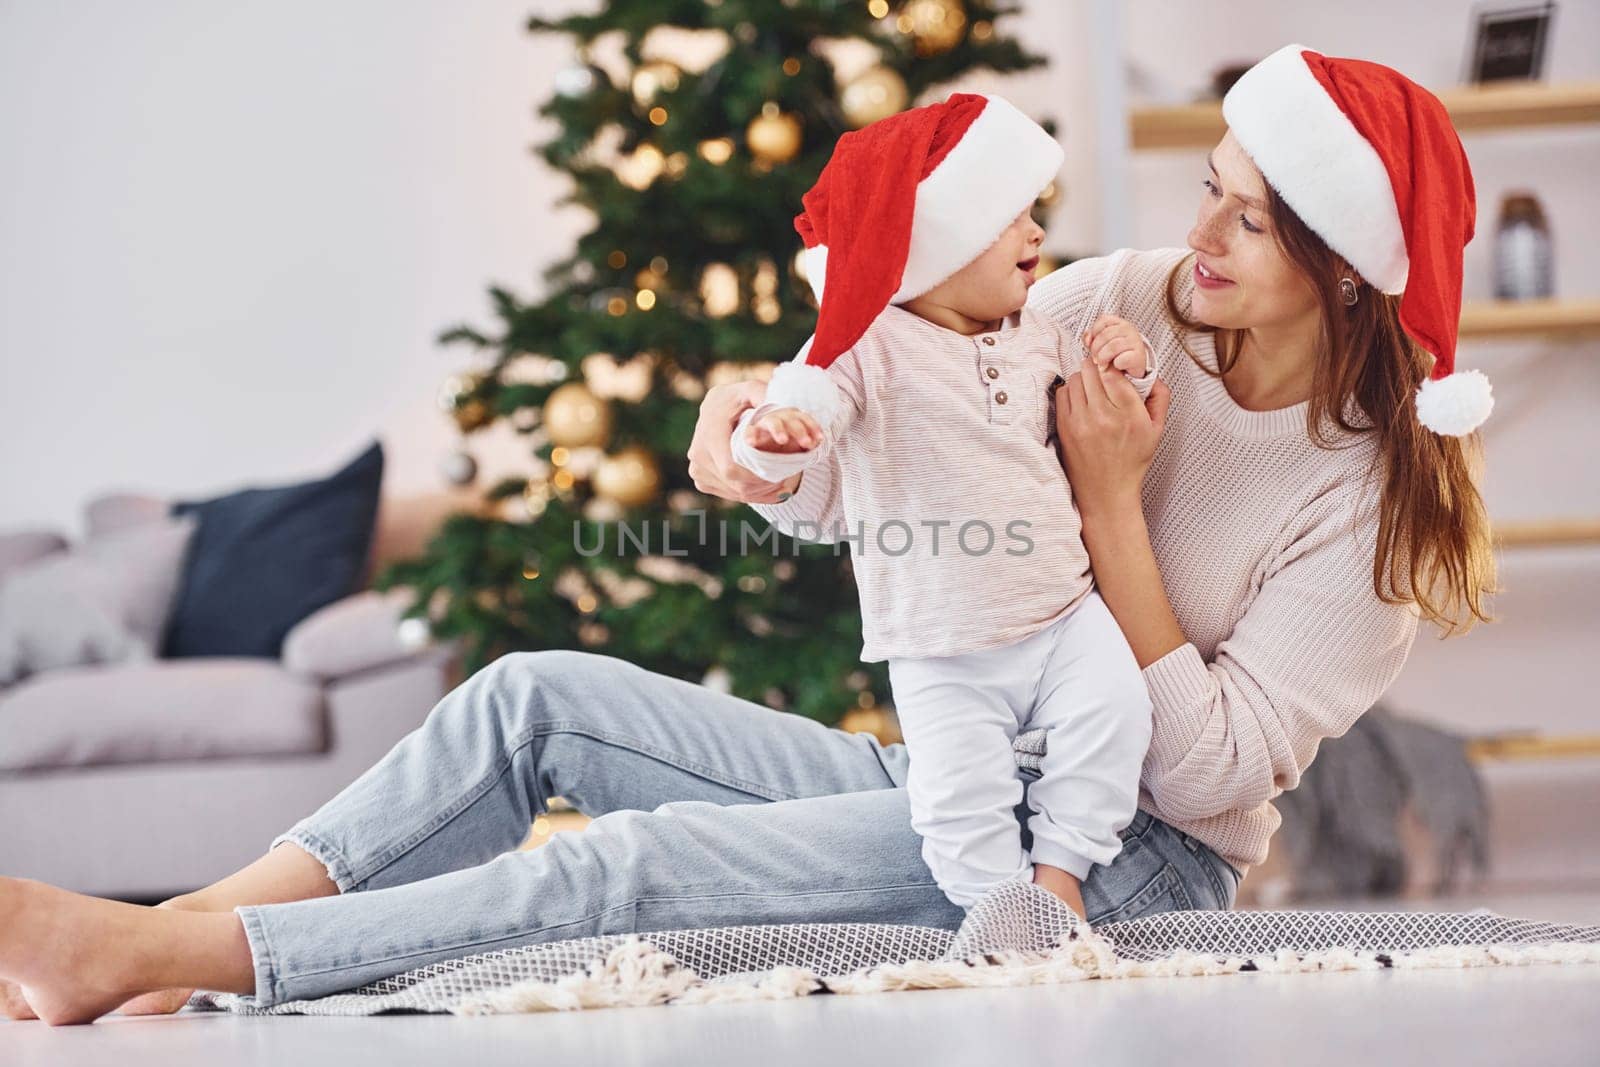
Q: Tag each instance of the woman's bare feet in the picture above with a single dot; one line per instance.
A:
(75, 958)
(284, 874)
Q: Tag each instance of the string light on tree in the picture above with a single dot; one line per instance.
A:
(719, 290)
(652, 79)
(717, 151)
(641, 169)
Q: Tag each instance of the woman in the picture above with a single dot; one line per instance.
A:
(1267, 530)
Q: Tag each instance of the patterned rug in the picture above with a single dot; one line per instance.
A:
(1017, 935)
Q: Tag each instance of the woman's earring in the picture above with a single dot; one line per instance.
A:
(1347, 291)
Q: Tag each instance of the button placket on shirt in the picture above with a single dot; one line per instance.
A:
(992, 370)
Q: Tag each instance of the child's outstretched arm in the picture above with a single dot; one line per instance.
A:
(806, 409)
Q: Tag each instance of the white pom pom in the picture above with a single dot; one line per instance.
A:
(414, 634)
(805, 386)
(1456, 404)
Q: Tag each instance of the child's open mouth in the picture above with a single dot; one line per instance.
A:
(1027, 266)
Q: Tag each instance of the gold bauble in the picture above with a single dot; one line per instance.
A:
(575, 417)
(469, 412)
(1050, 195)
(875, 721)
(877, 94)
(773, 135)
(935, 25)
(652, 79)
(629, 477)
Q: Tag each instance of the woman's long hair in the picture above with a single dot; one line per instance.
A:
(1434, 545)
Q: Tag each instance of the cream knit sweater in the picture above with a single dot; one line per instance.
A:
(1265, 542)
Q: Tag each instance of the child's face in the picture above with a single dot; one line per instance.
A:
(996, 283)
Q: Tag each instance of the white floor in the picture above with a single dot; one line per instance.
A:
(1534, 1015)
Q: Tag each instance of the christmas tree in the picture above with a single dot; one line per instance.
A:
(693, 172)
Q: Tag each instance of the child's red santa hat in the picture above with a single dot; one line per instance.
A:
(1369, 160)
(902, 205)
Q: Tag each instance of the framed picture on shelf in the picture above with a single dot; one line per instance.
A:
(1509, 43)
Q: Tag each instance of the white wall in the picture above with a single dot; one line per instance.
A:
(230, 232)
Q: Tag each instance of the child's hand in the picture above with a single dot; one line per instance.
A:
(785, 430)
(1113, 342)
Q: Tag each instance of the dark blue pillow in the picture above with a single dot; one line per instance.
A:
(263, 559)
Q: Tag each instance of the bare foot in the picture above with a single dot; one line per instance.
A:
(164, 1001)
(75, 958)
(13, 1005)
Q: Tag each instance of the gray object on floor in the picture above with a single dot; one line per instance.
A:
(1341, 824)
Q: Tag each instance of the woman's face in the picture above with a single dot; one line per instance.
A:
(1243, 280)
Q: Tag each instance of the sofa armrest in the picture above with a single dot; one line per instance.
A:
(18, 548)
(355, 634)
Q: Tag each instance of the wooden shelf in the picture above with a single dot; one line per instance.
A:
(1472, 108)
(1521, 318)
(1527, 747)
(1551, 533)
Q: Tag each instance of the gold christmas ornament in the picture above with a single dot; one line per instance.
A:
(456, 397)
(874, 95)
(719, 290)
(575, 417)
(875, 721)
(1050, 196)
(935, 26)
(652, 79)
(629, 477)
(774, 135)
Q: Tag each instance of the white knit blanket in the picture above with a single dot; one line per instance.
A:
(1018, 935)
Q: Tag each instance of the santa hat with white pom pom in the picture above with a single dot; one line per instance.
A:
(1369, 161)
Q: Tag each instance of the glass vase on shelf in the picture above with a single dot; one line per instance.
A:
(1523, 261)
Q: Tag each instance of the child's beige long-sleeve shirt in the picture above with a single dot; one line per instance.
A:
(962, 530)
(1265, 538)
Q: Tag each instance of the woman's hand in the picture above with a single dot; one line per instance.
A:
(1108, 436)
(711, 464)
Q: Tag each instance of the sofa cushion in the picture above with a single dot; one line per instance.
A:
(104, 602)
(21, 547)
(263, 559)
(111, 512)
(147, 712)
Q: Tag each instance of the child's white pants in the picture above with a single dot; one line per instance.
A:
(1076, 678)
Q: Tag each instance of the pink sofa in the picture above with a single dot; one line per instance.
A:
(141, 780)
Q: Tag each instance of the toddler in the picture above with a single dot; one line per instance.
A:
(934, 384)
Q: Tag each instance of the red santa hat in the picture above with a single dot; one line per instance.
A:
(1369, 161)
(901, 206)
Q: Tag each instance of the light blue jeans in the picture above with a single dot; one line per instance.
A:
(710, 811)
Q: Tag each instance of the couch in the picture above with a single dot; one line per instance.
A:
(139, 780)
